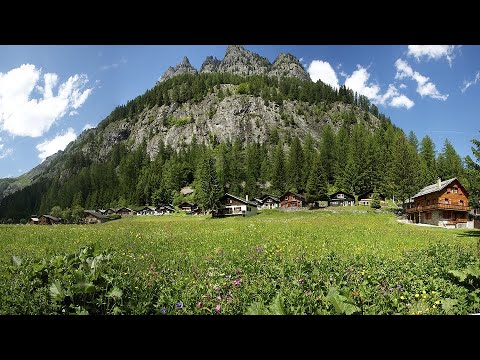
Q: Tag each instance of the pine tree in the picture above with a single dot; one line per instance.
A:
(208, 189)
(405, 160)
(375, 201)
(449, 162)
(309, 154)
(278, 170)
(328, 152)
(473, 173)
(294, 166)
(427, 154)
(317, 187)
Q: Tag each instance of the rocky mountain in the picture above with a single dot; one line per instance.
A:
(240, 61)
(227, 100)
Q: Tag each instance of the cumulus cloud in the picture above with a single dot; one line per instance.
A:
(322, 70)
(402, 86)
(22, 115)
(401, 100)
(424, 86)
(6, 152)
(358, 82)
(434, 52)
(59, 142)
(467, 84)
(87, 126)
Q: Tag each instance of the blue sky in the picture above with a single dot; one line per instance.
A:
(49, 94)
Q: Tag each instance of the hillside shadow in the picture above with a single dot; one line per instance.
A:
(470, 233)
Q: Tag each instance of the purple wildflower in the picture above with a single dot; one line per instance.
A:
(399, 287)
(301, 281)
(228, 276)
(218, 308)
(237, 281)
(199, 305)
(163, 311)
(179, 305)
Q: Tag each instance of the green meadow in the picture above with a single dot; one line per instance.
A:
(329, 261)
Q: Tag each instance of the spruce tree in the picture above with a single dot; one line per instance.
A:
(375, 201)
(295, 166)
(317, 187)
(208, 189)
(278, 170)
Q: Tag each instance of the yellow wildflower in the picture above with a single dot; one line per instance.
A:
(416, 295)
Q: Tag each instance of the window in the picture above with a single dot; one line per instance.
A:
(455, 190)
(446, 214)
(448, 190)
(340, 196)
(428, 202)
(237, 209)
(459, 191)
(428, 215)
(249, 208)
(445, 201)
(460, 202)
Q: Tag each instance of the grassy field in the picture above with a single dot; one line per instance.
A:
(315, 260)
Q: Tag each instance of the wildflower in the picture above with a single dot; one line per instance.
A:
(402, 297)
(434, 292)
(363, 272)
(416, 295)
(424, 292)
(301, 281)
(218, 308)
(163, 311)
(179, 305)
(437, 302)
(434, 306)
(399, 287)
(237, 281)
(199, 305)
(228, 276)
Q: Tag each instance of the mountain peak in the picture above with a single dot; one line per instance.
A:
(288, 65)
(183, 68)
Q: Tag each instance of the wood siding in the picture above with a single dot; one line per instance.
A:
(437, 199)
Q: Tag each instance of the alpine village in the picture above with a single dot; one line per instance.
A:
(220, 153)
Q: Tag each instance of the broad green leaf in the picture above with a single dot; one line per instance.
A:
(257, 308)
(460, 275)
(84, 287)
(474, 271)
(340, 303)
(115, 293)
(16, 261)
(448, 304)
(80, 311)
(56, 290)
(276, 307)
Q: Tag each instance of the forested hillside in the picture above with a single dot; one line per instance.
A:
(257, 132)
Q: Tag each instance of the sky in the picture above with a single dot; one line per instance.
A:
(49, 94)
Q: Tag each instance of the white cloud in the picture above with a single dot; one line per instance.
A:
(467, 84)
(25, 116)
(401, 100)
(59, 142)
(358, 82)
(402, 86)
(72, 113)
(424, 87)
(87, 126)
(322, 70)
(434, 52)
(6, 152)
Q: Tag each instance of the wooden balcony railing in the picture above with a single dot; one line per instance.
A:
(438, 206)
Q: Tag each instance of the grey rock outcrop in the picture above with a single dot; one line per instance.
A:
(183, 68)
(210, 65)
(239, 60)
(289, 66)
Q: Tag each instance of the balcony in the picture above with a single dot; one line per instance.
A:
(438, 206)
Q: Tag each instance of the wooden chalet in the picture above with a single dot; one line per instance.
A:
(444, 203)
(341, 198)
(231, 205)
(269, 202)
(110, 211)
(291, 199)
(147, 210)
(365, 199)
(165, 209)
(124, 211)
(48, 220)
(33, 220)
(187, 206)
(94, 217)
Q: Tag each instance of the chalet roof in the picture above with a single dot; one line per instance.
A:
(274, 198)
(434, 187)
(364, 195)
(186, 203)
(51, 217)
(146, 208)
(34, 218)
(96, 214)
(291, 192)
(124, 208)
(342, 192)
(239, 199)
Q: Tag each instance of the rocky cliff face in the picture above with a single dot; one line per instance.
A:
(183, 68)
(241, 61)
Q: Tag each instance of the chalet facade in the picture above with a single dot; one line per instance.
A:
(94, 217)
(48, 220)
(269, 202)
(165, 209)
(124, 211)
(231, 205)
(291, 199)
(33, 220)
(444, 203)
(147, 210)
(366, 198)
(187, 206)
(341, 198)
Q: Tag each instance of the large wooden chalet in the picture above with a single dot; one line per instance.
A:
(48, 220)
(231, 205)
(444, 203)
(341, 198)
(291, 199)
